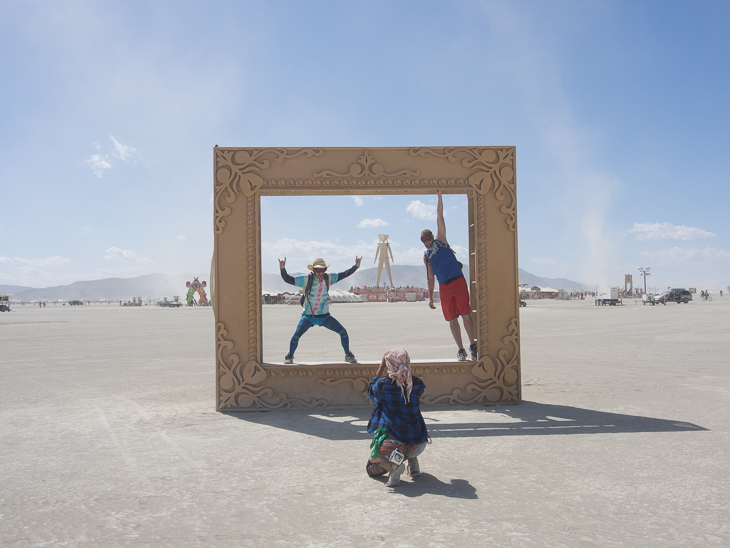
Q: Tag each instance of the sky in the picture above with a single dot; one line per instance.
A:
(109, 112)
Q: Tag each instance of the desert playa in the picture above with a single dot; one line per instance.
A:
(109, 434)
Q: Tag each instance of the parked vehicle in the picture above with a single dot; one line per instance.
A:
(523, 303)
(679, 295)
(4, 303)
(676, 295)
(607, 295)
(76, 302)
(174, 303)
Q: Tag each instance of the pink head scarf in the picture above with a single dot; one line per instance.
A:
(399, 369)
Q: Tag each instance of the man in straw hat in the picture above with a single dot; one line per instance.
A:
(399, 430)
(316, 303)
(441, 261)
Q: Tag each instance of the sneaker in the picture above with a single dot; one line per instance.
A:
(350, 358)
(473, 350)
(394, 477)
(413, 469)
(289, 359)
(461, 355)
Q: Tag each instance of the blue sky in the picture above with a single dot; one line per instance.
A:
(619, 111)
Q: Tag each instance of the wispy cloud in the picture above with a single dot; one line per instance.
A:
(123, 152)
(114, 253)
(6, 260)
(668, 231)
(422, 211)
(358, 201)
(98, 164)
(372, 223)
(181, 237)
(101, 162)
(47, 261)
(300, 253)
(676, 256)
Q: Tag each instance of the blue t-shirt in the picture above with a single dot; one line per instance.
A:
(443, 262)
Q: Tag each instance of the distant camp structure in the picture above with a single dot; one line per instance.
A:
(4, 303)
(197, 287)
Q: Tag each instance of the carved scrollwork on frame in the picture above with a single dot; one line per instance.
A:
(480, 203)
(489, 169)
(497, 381)
(366, 167)
(288, 185)
(359, 384)
(238, 172)
(241, 386)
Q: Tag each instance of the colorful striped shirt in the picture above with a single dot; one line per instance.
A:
(317, 303)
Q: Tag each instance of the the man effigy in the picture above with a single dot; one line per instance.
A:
(399, 431)
(383, 251)
(441, 261)
(316, 303)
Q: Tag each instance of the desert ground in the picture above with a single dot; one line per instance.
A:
(109, 434)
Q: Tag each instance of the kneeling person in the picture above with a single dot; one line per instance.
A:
(316, 302)
(396, 420)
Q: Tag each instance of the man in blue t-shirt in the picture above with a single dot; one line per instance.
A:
(317, 303)
(441, 262)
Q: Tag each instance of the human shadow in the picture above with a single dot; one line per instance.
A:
(527, 419)
(431, 485)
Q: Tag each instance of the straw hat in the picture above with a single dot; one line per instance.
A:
(318, 263)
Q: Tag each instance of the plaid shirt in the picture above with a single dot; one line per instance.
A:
(402, 420)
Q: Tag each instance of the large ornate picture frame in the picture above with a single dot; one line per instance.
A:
(242, 175)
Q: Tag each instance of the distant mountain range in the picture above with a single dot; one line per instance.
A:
(411, 275)
(11, 289)
(155, 286)
(152, 286)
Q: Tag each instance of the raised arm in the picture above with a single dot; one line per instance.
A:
(349, 271)
(440, 224)
(284, 275)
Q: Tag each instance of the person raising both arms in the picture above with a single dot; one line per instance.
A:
(316, 303)
(441, 262)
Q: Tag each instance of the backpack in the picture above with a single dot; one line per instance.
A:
(310, 281)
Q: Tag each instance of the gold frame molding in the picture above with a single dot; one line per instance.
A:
(242, 175)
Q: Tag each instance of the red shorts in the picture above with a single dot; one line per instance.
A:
(454, 297)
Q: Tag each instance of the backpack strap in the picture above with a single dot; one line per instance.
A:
(307, 289)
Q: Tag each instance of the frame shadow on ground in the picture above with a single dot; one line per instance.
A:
(527, 419)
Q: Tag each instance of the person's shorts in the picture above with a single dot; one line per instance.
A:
(454, 297)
